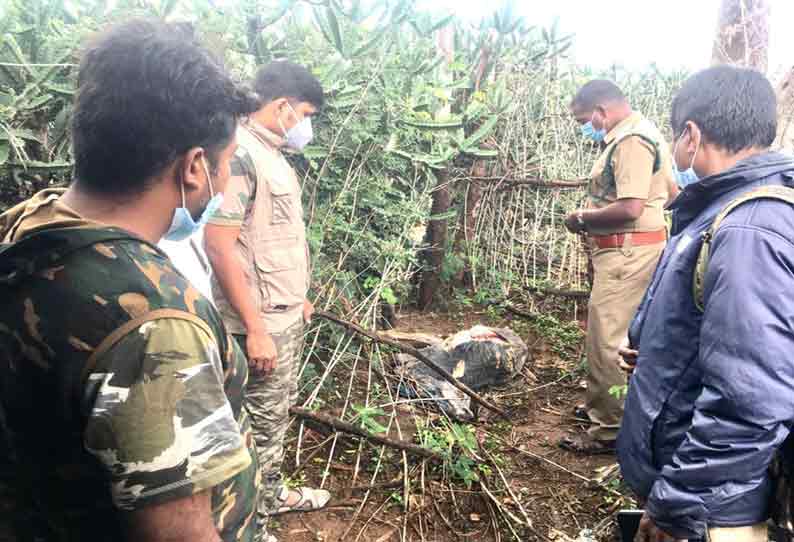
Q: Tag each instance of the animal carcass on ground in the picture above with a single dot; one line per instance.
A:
(479, 357)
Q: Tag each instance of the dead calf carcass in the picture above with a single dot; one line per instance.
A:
(479, 357)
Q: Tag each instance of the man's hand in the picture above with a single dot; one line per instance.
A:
(262, 352)
(614, 215)
(308, 311)
(573, 224)
(627, 357)
(649, 532)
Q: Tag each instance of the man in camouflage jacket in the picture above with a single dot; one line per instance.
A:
(120, 391)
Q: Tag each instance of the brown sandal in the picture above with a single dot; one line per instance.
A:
(586, 445)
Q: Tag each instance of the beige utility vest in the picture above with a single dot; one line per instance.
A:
(273, 238)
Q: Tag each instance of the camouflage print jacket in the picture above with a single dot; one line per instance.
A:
(119, 387)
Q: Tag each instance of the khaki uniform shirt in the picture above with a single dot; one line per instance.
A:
(263, 198)
(632, 165)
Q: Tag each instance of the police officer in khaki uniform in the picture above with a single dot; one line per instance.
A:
(257, 246)
(624, 226)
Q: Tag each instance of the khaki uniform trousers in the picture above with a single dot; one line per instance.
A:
(751, 533)
(621, 276)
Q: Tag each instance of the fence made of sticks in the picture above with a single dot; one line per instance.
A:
(520, 240)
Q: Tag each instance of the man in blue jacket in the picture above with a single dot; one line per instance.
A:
(712, 396)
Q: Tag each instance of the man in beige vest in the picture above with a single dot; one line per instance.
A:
(625, 231)
(257, 246)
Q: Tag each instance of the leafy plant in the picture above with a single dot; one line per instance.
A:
(367, 419)
(619, 392)
(399, 111)
(457, 443)
(397, 498)
(565, 338)
(385, 292)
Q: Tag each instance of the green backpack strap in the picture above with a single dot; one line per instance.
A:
(609, 170)
(668, 222)
(780, 193)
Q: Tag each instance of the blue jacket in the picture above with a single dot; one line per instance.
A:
(712, 396)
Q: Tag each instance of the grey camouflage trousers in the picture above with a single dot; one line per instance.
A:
(268, 400)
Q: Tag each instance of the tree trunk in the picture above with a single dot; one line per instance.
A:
(743, 34)
(468, 223)
(436, 233)
(785, 113)
(473, 201)
(743, 39)
(437, 241)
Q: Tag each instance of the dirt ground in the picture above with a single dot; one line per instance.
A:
(550, 493)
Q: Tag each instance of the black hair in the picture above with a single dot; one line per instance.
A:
(147, 93)
(735, 108)
(284, 79)
(597, 92)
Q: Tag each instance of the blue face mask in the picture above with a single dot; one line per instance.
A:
(685, 178)
(183, 225)
(688, 176)
(588, 130)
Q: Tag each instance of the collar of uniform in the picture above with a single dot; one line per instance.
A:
(264, 134)
(631, 120)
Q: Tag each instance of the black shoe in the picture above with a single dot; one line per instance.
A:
(580, 413)
(586, 445)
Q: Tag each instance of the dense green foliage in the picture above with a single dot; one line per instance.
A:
(410, 95)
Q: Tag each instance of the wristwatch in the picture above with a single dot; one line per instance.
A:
(580, 221)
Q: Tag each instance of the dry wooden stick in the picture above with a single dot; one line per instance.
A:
(494, 522)
(541, 458)
(397, 482)
(366, 523)
(378, 337)
(349, 428)
(578, 294)
(535, 181)
(311, 456)
(513, 496)
(449, 524)
(501, 508)
(509, 307)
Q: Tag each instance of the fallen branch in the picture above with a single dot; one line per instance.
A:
(518, 312)
(397, 482)
(535, 182)
(349, 428)
(380, 338)
(578, 294)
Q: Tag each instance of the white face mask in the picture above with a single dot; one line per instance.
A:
(299, 135)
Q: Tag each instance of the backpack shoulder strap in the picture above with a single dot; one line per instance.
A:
(780, 193)
(129, 326)
(609, 171)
